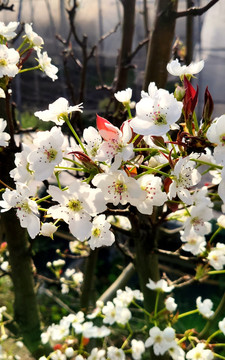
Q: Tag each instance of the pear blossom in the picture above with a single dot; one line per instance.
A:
(57, 355)
(32, 37)
(100, 233)
(193, 242)
(170, 304)
(183, 176)
(46, 66)
(48, 153)
(117, 141)
(113, 353)
(69, 352)
(138, 348)
(221, 221)
(200, 353)
(58, 111)
(205, 307)
(9, 59)
(8, 31)
(125, 297)
(160, 285)
(117, 187)
(26, 209)
(221, 325)
(48, 229)
(4, 137)
(175, 351)
(216, 134)
(76, 206)
(113, 313)
(151, 185)
(216, 256)
(157, 340)
(198, 221)
(97, 354)
(124, 96)
(22, 173)
(156, 112)
(176, 69)
(93, 141)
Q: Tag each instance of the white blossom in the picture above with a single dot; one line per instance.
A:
(34, 39)
(176, 69)
(184, 176)
(124, 96)
(138, 348)
(119, 314)
(113, 353)
(48, 229)
(157, 340)
(26, 209)
(58, 111)
(216, 256)
(97, 354)
(156, 112)
(200, 353)
(8, 61)
(193, 242)
(76, 206)
(100, 233)
(46, 65)
(154, 196)
(8, 31)
(205, 307)
(170, 304)
(221, 325)
(117, 187)
(48, 153)
(4, 137)
(160, 285)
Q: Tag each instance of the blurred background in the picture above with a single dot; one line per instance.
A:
(95, 18)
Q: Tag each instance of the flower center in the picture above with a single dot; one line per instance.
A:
(62, 116)
(159, 119)
(222, 139)
(75, 205)
(25, 207)
(120, 187)
(96, 232)
(3, 62)
(51, 154)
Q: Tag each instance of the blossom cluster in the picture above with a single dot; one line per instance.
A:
(70, 338)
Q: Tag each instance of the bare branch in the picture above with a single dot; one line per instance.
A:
(195, 11)
(139, 46)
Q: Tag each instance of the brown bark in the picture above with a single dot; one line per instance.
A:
(160, 44)
(126, 44)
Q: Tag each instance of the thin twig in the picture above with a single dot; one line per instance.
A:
(194, 11)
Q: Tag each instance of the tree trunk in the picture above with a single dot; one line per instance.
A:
(160, 44)
(126, 43)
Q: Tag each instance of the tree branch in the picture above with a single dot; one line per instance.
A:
(194, 11)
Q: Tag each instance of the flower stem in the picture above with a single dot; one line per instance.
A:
(75, 135)
(213, 335)
(188, 313)
(30, 69)
(214, 235)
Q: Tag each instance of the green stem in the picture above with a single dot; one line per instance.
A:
(188, 313)
(150, 169)
(30, 69)
(127, 106)
(68, 168)
(43, 199)
(214, 235)
(135, 138)
(75, 135)
(141, 308)
(219, 356)
(213, 335)
(215, 272)
(195, 121)
(207, 163)
(156, 305)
